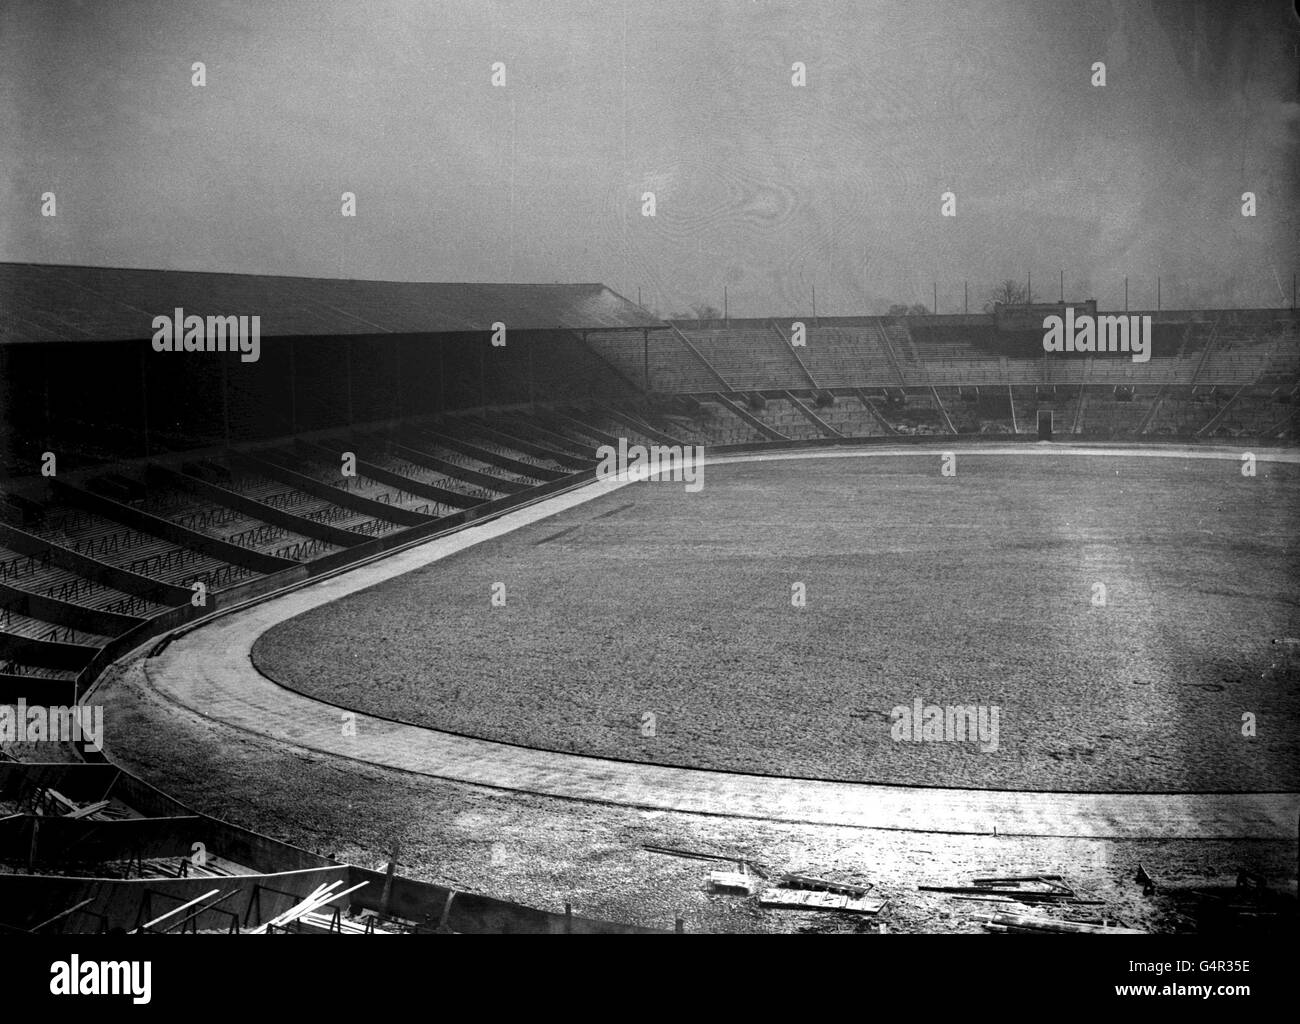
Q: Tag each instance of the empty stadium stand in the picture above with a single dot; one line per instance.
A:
(382, 413)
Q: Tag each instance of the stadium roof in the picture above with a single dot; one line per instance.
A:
(47, 302)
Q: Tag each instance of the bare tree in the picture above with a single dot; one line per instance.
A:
(1008, 293)
(703, 311)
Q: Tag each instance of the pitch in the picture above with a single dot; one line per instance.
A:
(977, 590)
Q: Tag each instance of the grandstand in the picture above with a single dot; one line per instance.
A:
(862, 376)
(381, 414)
(227, 474)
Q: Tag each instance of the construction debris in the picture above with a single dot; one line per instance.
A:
(89, 811)
(48, 801)
(734, 883)
(1029, 923)
(1042, 889)
(792, 880)
(800, 899)
(320, 897)
(744, 862)
(1249, 906)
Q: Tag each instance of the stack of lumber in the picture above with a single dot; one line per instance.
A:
(50, 801)
(1028, 923)
(810, 892)
(794, 880)
(320, 896)
(802, 899)
(1049, 890)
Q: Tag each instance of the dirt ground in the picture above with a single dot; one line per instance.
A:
(543, 852)
(978, 590)
(1175, 621)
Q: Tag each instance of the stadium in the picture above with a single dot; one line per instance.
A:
(415, 563)
(596, 469)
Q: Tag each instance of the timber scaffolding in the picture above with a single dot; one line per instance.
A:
(152, 865)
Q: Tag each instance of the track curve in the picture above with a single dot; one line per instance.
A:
(210, 672)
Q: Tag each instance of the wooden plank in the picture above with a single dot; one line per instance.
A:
(301, 907)
(60, 799)
(670, 851)
(314, 902)
(1052, 895)
(202, 910)
(61, 914)
(173, 913)
(798, 881)
(89, 809)
(1022, 922)
(736, 882)
(323, 900)
(802, 899)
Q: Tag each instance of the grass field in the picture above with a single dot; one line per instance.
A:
(976, 589)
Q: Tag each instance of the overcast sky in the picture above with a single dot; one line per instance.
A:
(760, 186)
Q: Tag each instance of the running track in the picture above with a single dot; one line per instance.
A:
(210, 672)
